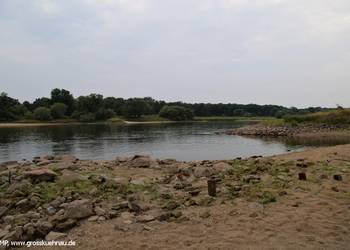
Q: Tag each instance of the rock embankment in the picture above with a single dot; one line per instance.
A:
(285, 131)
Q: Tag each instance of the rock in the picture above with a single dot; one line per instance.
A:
(9, 219)
(22, 203)
(78, 209)
(222, 167)
(3, 233)
(302, 176)
(43, 227)
(67, 158)
(194, 192)
(66, 225)
(121, 159)
(3, 211)
(145, 218)
(205, 214)
(57, 202)
(51, 210)
(137, 206)
(142, 161)
(55, 236)
(71, 176)
(29, 230)
(171, 205)
(337, 177)
(120, 205)
(251, 178)
(93, 218)
(99, 211)
(200, 172)
(139, 181)
(39, 175)
(127, 216)
(15, 235)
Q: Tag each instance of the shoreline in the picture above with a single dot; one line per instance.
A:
(299, 132)
(141, 199)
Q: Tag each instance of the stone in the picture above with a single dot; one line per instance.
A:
(93, 218)
(200, 172)
(29, 230)
(137, 206)
(171, 205)
(222, 167)
(145, 218)
(43, 227)
(66, 225)
(139, 181)
(55, 236)
(127, 216)
(78, 209)
(120, 205)
(302, 176)
(51, 210)
(205, 214)
(251, 178)
(121, 159)
(194, 192)
(99, 211)
(71, 176)
(3, 211)
(337, 177)
(39, 175)
(142, 161)
(66, 158)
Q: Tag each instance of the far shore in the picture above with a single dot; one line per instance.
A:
(117, 120)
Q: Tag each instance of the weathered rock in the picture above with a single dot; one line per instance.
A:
(55, 236)
(39, 175)
(43, 228)
(121, 205)
(251, 178)
(66, 158)
(205, 214)
(145, 218)
(66, 225)
(93, 218)
(142, 161)
(3, 211)
(121, 159)
(222, 167)
(140, 181)
(71, 176)
(99, 211)
(78, 209)
(203, 172)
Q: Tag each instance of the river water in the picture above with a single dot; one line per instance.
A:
(182, 141)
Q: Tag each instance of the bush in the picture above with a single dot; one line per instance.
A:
(58, 110)
(42, 114)
(87, 117)
(29, 115)
(176, 113)
(104, 114)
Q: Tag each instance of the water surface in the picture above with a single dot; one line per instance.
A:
(182, 141)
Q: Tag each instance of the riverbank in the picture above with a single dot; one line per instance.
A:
(298, 131)
(139, 202)
(152, 119)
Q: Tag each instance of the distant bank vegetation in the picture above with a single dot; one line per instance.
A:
(94, 107)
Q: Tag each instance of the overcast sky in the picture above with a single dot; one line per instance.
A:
(289, 52)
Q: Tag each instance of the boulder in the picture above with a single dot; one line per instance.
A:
(66, 225)
(142, 161)
(43, 227)
(71, 176)
(145, 218)
(78, 209)
(39, 175)
(222, 167)
(200, 172)
(55, 236)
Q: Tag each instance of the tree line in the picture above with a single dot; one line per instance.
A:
(94, 107)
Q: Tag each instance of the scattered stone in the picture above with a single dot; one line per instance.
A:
(55, 236)
(337, 177)
(171, 205)
(302, 176)
(121, 205)
(78, 209)
(145, 218)
(194, 192)
(3, 211)
(205, 214)
(43, 227)
(93, 218)
(39, 175)
(251, 178)
(141, 161)
(66, 225)
(335, 189)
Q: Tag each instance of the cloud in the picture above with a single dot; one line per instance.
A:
(264, 51)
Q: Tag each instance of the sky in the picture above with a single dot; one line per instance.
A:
(286, 52)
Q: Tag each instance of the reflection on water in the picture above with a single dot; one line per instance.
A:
(183, 141)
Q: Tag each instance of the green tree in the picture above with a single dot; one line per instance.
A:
(58, 110)
(6, 104)
(63, 96)
(42, 114)
(136, 107)
(104, 114)
(176, 113)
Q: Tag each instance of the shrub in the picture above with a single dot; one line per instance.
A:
(176, 113)
(42, 114)
(87, 117)
(58, 110)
